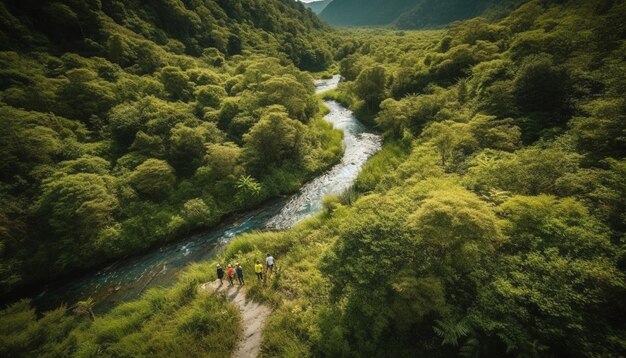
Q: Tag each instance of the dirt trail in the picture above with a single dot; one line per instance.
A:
(253, 314)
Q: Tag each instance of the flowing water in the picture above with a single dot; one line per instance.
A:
(126, 279)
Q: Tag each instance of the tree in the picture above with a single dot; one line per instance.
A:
(542, 222)
(85, 164)
(125, 121)
(26, 141)
(455, 230)
(176, 83)
(223, 159)
(83, 95)
(373, 242)
(393, 117)
(149, 60)
(290, 93)
(275, 139)
(559, 295)
(75, 208)
(454, 64)
(187, 149)
(412, 112)
(197, 213)
(370, 86)
(118, 49)
(600, 190)
(209, 95)
(213, 56)
(447, 136)
(25, 332)
(154, 179)
(490, 132)
(529, 171)
(540, 86)
(499, 100)
(153, 116)
(351, 66)
(603, 132)
(148, 145)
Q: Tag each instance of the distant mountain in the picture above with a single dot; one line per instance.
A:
(317, 6)
(434, 13)
(365, 12)
(405, 14)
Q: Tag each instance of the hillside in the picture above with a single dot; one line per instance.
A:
(130, 124)
(317, 6)
(364, 12)
(275, 26)
(433, 13)
(404, 14)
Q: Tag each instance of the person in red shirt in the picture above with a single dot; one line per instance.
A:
(230, 272)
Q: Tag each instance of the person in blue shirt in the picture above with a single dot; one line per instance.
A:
(239, 270)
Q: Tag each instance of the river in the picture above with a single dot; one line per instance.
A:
(127, 279)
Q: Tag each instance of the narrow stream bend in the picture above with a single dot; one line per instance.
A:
(126, 279)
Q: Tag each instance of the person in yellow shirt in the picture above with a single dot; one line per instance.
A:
(258, 269)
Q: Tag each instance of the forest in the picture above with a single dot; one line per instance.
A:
(126, 126)
(492, 223)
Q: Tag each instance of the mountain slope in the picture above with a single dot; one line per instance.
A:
(229, 26)
(364, 12)
(317, 6)
(403, 13)
(433, 13)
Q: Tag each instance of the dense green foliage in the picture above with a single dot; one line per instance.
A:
(496, 234)
(281, 28)
(491, 224)
(126, 124)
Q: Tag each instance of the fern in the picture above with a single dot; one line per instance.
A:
(469, 348)
(451, 331)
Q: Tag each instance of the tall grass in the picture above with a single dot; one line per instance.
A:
(381, 165)
(180, 321)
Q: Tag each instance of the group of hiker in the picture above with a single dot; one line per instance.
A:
(237, 270)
